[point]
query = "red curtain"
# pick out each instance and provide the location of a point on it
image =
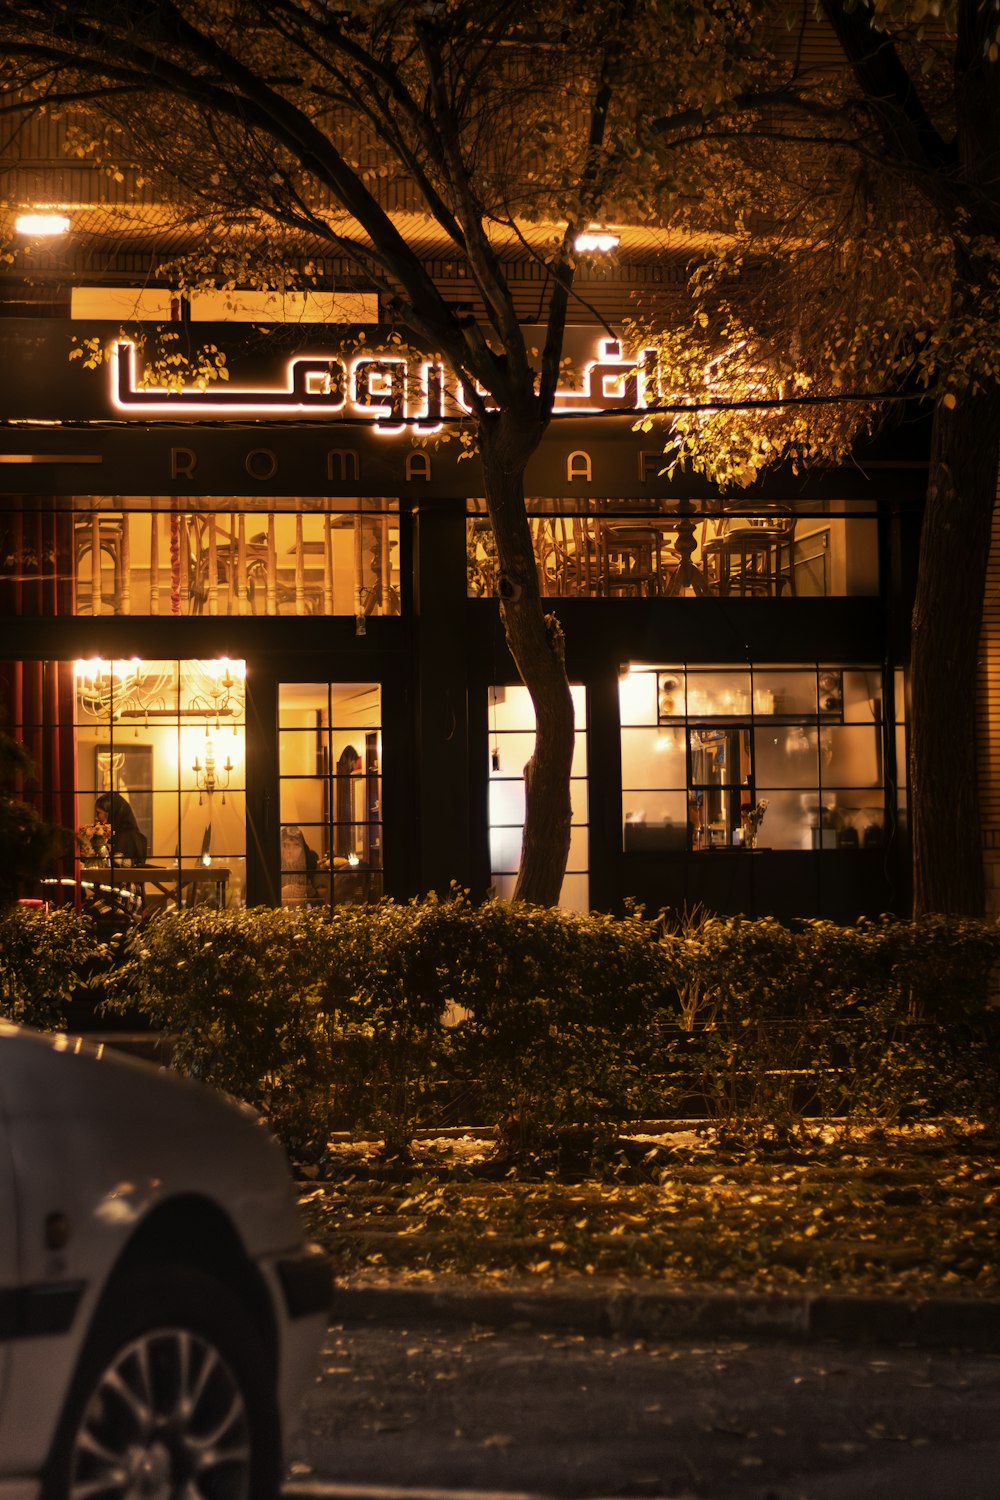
(37, 698)
(36, 559)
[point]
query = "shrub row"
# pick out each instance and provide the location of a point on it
(872, 1022)
(382, 1018)
(371, 1019)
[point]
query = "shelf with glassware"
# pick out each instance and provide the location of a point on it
(747, 757)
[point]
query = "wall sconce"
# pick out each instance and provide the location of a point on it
(41, 223)
(206, 778)
(596, 241)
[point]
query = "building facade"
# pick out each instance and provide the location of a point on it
(263, 612)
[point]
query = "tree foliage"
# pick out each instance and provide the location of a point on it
(855, 268)
(829, 277)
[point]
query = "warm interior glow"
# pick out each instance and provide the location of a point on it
(95, 667)
(39, 223)
(224, 667)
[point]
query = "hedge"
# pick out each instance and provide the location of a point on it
(542, 1022)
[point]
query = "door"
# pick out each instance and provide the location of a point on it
(329, 762)
(720, 779)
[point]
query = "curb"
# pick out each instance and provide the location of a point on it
(951, 1322)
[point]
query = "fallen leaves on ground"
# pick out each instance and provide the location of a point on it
(910, 1211)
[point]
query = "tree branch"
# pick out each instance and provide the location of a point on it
(908, 134)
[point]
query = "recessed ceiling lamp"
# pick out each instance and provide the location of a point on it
(596, 240)
(41, 223)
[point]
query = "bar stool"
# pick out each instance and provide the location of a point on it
(754, 553)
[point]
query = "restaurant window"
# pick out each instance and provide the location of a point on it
(151, 555)
(330, 768)
(781, 757)
(160, 790)
(654, 548)
(512, 738)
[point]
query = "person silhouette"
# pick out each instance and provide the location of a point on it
(128, 842)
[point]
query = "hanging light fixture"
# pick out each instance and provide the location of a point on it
(596, 241)
(121, 689)
(207, 778)
(111, 691)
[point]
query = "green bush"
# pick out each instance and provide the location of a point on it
(313, 1020)
(238, 993)
(928, 1045)
(383, 1005)
(757, 997)
(46, 960)
(879, 1020)
(559, 1009)
(560, 1025)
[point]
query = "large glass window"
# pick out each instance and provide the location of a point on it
(235, 556)
(636, 548)
(160, 780)
(512, 737)
(781, 757)
(330, 768)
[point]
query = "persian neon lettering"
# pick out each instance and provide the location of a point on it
(389, 392)
(379, 385)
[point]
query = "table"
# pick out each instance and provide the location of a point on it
(687, 574)
(636, 544)
(165, 880)
(682, 522)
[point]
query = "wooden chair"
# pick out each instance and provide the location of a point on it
(630, 556)
(566, 556)
(104, 537)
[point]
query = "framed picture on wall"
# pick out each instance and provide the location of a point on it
(128, 769)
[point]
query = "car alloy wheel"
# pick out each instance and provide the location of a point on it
(174, 1396)
(167, 1418)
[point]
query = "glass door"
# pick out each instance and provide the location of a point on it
(721, 783)
(330, 793)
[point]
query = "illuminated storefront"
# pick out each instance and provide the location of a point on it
(263, 613)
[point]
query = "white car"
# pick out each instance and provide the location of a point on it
(160, 1315)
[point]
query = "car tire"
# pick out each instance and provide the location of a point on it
(174, 1396)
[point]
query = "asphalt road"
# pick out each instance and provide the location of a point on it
(523, 1411)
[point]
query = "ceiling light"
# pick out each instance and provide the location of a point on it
(41, 224)
(598, 240)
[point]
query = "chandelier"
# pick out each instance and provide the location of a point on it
(138, 690)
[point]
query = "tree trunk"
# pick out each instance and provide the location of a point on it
(536, 644)
(947, 625)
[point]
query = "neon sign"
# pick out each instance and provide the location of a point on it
(389, 392)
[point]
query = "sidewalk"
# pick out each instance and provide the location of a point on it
(637, 1310)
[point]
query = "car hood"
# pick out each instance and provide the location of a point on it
(104, 1137)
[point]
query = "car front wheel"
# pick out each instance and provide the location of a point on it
(173, 1399)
